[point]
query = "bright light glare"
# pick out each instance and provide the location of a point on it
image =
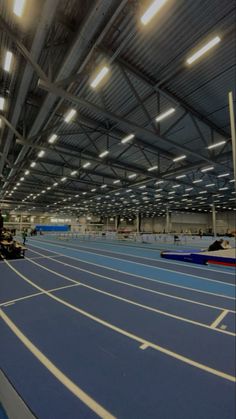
(203, 50)
(127, 138)
(116, 181)
(18, 7)
(74, 173)
(179, 158)
(104, 153)
(152, 10)
(2, 103)
(102, 73)
(33, 164)
(216, 145)
(70, 115)
(165, 114)
(132, 176)
(52, 139)
(8, 61)
(180, 176)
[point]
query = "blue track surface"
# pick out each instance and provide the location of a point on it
(143, 339)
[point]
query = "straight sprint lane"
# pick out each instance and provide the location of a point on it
(180, 308)
(141, 282)
(186, 268)
(189, 281)
(112, 368)
(205, 348)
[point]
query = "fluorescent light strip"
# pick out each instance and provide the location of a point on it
(152, 168)
(116, 181)
(197, 181)
(223, 175)
(216, 145)
(102, 73)
(179, 158)
(152, 10)
(74, 173)
(2, 103)
(159, 182)
(180, 177)
(52, 139)
(86, 164)
(132, 176)
(69, 115)
(18, 7)
(203, 50)
(165, 114)
(210, 184)
(127, 138)
(41, 153)
(8, 61)
(207, 169)
(104, 153)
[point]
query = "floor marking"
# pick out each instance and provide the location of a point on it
(155, 260)
(219, 319)
(126, 300)
(156, 281)
(69, 384)
(135, 286)
(143, 346)
(128, 334)
(138, 263)
(7, 303)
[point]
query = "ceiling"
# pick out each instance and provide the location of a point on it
(59, 47)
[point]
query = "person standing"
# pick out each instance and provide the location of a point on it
(1, 222)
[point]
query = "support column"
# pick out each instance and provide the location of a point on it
(214, 219)
(233, 133)
(167, 220)
(138, 222)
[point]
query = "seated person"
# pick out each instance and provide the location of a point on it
(217, 245)
(226, 244)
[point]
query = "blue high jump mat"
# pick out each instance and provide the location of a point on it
(226, 257)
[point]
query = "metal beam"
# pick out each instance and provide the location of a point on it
(50, 87)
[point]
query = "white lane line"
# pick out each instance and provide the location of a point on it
(134, 275)
(123, 332)
(36, 294)
(155, 260)
(52, 368)
(134, 286)
(143, 346)
(117, 297)
(219, 319)
(143, 264)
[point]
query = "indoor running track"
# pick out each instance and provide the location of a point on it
(87, 332)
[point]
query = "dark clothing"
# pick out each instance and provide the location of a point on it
(1, 222)
(217, 245)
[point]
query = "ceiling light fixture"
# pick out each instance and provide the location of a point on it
(86, 164)
(102, 73)
(41, 153)
(103, 154)
(69, 115)
(2, 103)
(18, 7)
(127, 138)
(8, 61)
(165, 114)
(207, 169)
(152, 168)
(203, 50)
(179, 158)
(52, 139)
(216, 145)
(152, 11)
